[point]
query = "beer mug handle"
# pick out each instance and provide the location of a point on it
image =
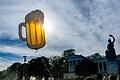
(20, 31)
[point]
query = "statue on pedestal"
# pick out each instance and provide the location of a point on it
(110, 52)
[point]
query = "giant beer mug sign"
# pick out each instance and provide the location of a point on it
(35, 36)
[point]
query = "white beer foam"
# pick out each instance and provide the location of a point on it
(35, 15)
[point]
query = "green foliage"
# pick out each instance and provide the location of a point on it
(59, 64)
(10, 73)
(94, 56)
(68, 52)
(57, 67)
(39, 67)
(23, 70)
(14, 66)
(36, 67)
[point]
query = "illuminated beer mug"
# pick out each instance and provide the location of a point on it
(35, 35)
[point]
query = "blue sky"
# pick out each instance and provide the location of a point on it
(80, 24)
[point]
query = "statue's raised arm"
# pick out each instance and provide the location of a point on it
(112, 37)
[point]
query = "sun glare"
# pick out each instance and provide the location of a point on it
(48, 25)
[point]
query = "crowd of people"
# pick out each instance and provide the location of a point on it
(110, 77)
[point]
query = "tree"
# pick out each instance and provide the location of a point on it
(39, 67)
(23, 70)
(14, 67)
(85, 67)
(12, 71)
(59, 64)
(36, 67)
(56, 67)
(94, 56)
(68, 52)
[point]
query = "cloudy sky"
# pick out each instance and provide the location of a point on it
(80, 24)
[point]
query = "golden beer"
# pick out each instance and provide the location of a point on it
(35, 35)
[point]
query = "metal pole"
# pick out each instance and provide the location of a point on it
(24, 59)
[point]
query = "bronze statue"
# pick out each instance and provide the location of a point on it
(110, 52)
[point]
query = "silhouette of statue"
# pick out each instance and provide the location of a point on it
(110, 52)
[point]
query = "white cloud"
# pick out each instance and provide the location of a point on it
(4, 63)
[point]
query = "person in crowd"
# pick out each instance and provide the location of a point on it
(89, 78)
(112, 77)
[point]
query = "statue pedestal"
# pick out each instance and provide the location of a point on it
(112, 67)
